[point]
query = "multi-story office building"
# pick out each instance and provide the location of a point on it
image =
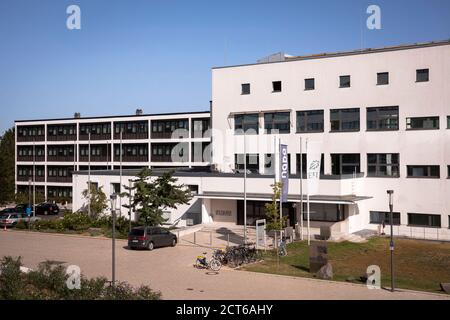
(55, 148)
(381, 117)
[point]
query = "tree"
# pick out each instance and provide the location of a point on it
(98, 200)
(7, 166)
(273, 210)
(154, 195)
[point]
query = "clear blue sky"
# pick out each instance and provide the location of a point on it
(158, 54)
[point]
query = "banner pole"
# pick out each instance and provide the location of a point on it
(301, 190)
(307, 199)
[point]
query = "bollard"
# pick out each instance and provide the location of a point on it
(178, 236)
(210, 238)
(228, 240)
(195, 237)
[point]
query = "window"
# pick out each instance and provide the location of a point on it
(382, 78)
(115, 188)
(383, 165)
(310, 121)
(310, 84)
(248, 123)
(344, 119)
(277, 122)
(252, 162)
(269, 164)
(325, 212)
(448, 172)
(382, 118)
(245, 88)
(448, 122)
(378, 217)
(344, 82)
(422, 75)
(424, 220)
(422, 123)
(423, 171)
(276, 86)
(345, 163)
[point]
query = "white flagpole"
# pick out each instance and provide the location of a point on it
(89, 173)
(34, 179)
(281, 190)
(307, 199)
(120, 179)
(301, 190)
(245, 189)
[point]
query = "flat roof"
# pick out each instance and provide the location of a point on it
(119, 116)
(349, 53)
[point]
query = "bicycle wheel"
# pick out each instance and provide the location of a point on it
(215, 265)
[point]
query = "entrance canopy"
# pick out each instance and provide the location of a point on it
(347, 199)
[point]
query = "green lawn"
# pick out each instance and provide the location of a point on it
(419, 265)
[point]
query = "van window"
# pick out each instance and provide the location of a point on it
(137, 232)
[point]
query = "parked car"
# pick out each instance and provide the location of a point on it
(151, 237)
(47, 208)
(11, 219)
(22, 208)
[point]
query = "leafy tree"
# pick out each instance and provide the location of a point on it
(7, 166)
(153, 195)
(98, 200)
(273, 210)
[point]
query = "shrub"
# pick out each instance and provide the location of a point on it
(49, 282)
(76, 221)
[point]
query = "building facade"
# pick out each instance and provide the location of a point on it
(380, 116)
(56, 148)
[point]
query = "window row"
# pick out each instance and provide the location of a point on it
(341, 120)
(382, 78)
(414, 219)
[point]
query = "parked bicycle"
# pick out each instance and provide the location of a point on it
(203, 263)
(239, 255)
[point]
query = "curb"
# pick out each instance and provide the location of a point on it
(66, 235)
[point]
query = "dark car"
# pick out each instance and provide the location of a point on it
(47, 208)
(150, 237)
(22, 208)
(7, 210)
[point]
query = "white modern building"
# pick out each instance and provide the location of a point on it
(381, 117)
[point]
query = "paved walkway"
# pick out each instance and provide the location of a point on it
(170, 271)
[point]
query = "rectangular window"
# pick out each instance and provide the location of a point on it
(448, 122)
(304, 163)
(277, 122)
(344, 119)
(310, 121)
(345, 163)
(276, 86)
(310, 84)
(382, 78)
(378, 217)
(448, 172)
(269, 164)
(252, 163)
(423, 171)
(248, 123)
(383, 165)
(422, 75)
(245, 88)
(422, 123)
(424, 220)
(344, 82)
(382, 118)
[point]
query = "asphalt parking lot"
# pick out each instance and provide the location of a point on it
(170, 270)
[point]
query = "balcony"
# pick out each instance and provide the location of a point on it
(30, 158)
(131, 136)
(27, 178)
(68, 137)
(60, 158)
(30, 138)
(101, 158)
(95, 136)
(67, 179)
(129, 158)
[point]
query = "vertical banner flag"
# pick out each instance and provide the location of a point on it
(313, 156)
(284, 172)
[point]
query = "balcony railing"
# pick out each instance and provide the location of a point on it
(131, 136)
(30, 158)
(68, 137)
(95, 136)
(103, 158)
(61, 158)
(126, 158)
(59, 179)
(28, 178)
(30, 138)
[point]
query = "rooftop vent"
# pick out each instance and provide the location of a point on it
(276, 57)
(77, 115)
(139, 112)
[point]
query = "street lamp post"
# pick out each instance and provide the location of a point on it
(391, 244)
(113, 213)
